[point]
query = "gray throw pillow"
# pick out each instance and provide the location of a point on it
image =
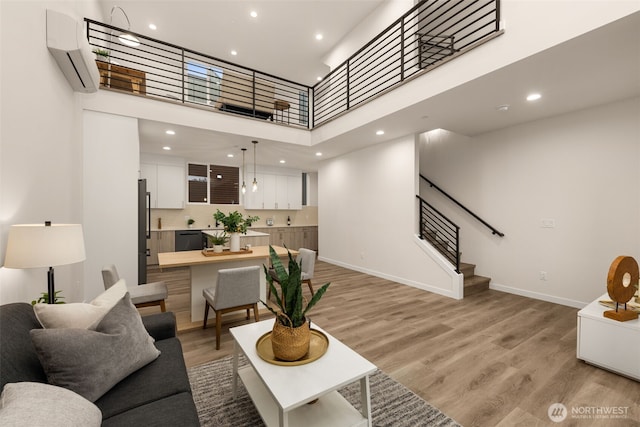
(29, 404)
(90, 362)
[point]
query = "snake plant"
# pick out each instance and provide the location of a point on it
(289, 301)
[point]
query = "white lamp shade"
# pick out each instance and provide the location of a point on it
(129, 40)
(37, 245)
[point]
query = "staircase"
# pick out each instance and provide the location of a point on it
(473, 284)
(444, 235)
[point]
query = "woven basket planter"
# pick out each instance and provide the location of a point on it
(290, 344)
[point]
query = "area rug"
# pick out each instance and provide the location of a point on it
(392, 404)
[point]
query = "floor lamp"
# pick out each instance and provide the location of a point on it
(44, 245)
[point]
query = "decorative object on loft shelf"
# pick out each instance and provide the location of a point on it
(101, 54)
(291, 334)
(254, 187)
(124, 38)
(234, 224)
(44, 245)
(621, 286)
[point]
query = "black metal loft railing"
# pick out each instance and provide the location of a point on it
(440, 231)
(429, 34)
(486, 224)
(173, 73)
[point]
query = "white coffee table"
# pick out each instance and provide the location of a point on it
(281, 393)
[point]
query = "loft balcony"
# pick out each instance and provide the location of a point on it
(427, 36)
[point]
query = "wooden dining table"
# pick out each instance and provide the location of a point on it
(204, 269)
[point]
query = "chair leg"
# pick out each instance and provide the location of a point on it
(310, 286)
(206, 314)
(248, 313)
(256, 315)
(218, 328)
(163, 307)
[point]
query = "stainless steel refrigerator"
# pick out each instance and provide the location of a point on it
(144, 229)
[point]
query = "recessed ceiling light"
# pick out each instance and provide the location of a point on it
(319, 36)
(318, 154)
(380, 132)
(534, 97)
(153, 27)
(170, 132)
(283, 161)
(167, 148)
(503, 107)
(319, 78)
(234, 53)
(229, 155)
(254, 14)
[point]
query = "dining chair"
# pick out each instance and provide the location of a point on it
(145, 295)
(306, 259)
(235, 289)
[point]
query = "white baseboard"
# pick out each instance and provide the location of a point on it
(537, 295)
(414, 284)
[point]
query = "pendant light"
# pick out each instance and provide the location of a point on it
(244, 187)
(255, 181)
(124, 38)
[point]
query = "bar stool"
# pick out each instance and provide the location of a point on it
(282, 106)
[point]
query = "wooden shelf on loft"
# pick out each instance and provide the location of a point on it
(122, 78)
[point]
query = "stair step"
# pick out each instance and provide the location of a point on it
(467, 270)
(475, 284)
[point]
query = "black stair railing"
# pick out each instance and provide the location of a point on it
(486, 224)
(440, 231)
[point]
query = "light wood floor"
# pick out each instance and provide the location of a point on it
(493, 359)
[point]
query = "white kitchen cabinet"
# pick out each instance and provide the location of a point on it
(268, 187)
(254, 200)
(607, 343)
(294, 192)
(275, 192)
(166, 183)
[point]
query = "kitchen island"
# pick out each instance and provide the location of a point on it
(204, 270)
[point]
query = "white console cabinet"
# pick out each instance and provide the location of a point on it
(607, 343)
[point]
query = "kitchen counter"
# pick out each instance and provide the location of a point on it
(250, 233)
(204, 270)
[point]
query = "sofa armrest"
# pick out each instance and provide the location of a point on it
(161, 325)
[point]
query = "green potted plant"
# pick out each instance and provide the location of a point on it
(291, 334)
(101, 54)
(217, 241)
(44, 298)
(234, 223)
(190, 222)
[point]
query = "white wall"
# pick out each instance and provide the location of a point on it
(374, 24)
(367, 216)
(40, 140)
(579, 169)
(111, 164)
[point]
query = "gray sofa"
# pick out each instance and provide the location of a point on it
(158, 394)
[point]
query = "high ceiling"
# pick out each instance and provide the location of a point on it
(280, 40)
(598, 67)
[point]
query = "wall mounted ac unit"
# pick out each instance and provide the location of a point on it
(69, 46)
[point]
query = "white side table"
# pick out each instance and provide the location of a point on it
(607, 343)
